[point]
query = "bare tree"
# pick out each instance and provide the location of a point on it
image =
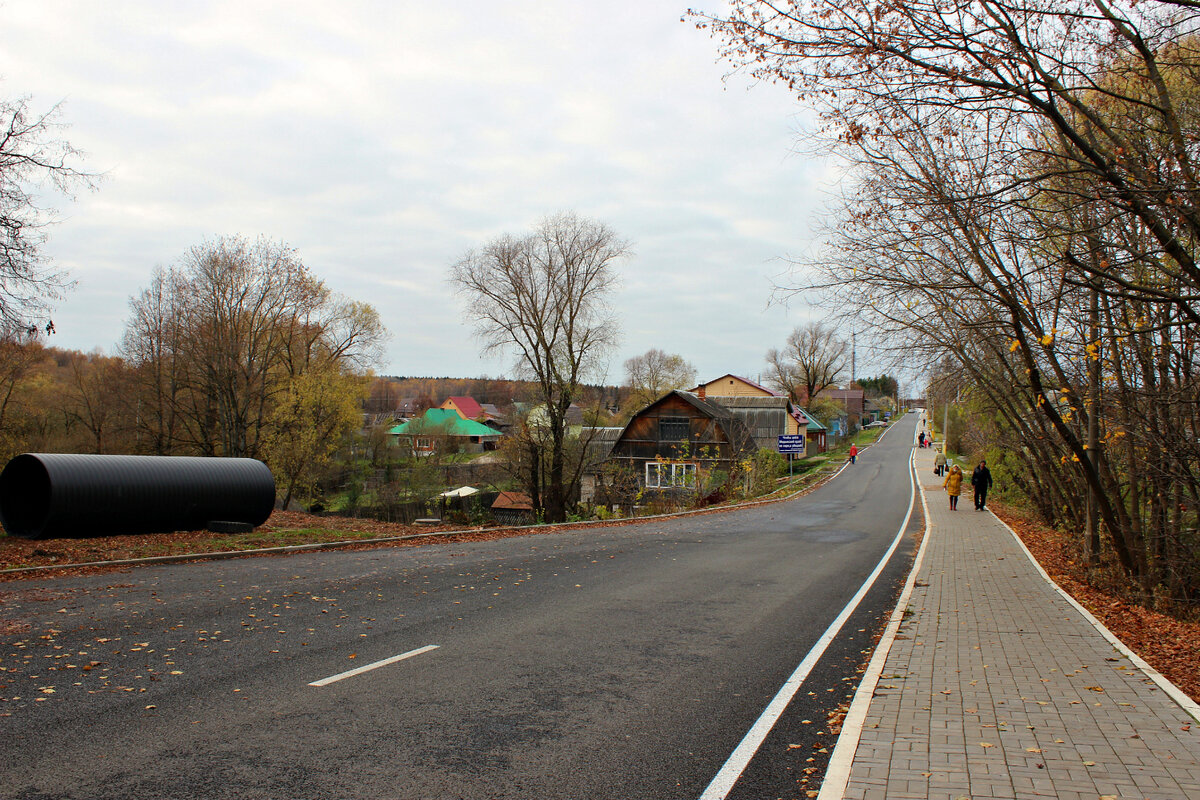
(1092, 81)
(218, 340)
(654, 373)
(544, 297)
(1023, 224)
(152, 345)
(96, 397)
(22, 358)
(31, 155)
(812, 361)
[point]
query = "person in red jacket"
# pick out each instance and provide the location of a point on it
(853, 452)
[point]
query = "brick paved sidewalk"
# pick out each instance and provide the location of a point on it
(995, 686)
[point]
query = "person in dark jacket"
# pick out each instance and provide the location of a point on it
(981, 479)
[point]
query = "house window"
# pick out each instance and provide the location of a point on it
(423, 443)
(663, 475)
(673, 429)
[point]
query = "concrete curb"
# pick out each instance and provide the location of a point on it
(837, 772)
(1174, 692)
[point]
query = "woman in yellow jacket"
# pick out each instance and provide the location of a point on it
(953, 485)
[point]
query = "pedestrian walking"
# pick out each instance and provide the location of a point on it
(921, 439)
(853, 452)
(939, 462)
(981, 479)
(953, 485)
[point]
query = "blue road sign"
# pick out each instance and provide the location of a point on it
(791, 443)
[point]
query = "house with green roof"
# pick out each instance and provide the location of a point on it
(444, 429)
(814, 431)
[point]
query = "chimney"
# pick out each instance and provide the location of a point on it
(701, 392)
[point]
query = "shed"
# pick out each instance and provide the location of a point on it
(599, 446)
(513, 508)
(767, 417)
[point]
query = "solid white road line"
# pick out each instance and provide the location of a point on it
(722, 784)
(368, 667)
(837, 772)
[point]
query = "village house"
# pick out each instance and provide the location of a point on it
(768, 414)
(443, 428)
(853, 400)
(670, 443)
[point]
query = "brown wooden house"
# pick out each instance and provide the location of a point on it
(670, 441)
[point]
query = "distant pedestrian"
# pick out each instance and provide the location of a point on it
(953, 484)
(981, 479)
(939, 462)
(853, 452)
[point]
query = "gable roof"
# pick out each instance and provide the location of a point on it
(802, 416)
(736, 432)
(766, 392)
(467, 406)
(512, 501)
(447, 419)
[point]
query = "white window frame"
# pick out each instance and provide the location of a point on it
(670, 474)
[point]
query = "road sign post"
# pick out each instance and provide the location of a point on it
(791, 445)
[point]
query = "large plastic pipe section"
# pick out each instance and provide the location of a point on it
(46, 495)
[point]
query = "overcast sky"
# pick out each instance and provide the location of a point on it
(383, 140)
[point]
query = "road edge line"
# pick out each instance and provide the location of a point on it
(731, 771)
(837, 772)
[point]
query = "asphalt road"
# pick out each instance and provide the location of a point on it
(624, 662)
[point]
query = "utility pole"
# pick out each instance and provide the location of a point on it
(853, 357)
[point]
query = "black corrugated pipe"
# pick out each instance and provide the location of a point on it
(44, 495)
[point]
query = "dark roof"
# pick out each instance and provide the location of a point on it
(851, 398)
(765, 417)
(813, 425)
(751, 401)
(736, 431)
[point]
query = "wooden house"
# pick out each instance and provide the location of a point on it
(442, 428)
(814, 432)
(768, 418)
(670, 441)
(729, 385)
(465, 407)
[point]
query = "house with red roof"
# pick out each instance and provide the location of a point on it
(470, 408)
(465, 407)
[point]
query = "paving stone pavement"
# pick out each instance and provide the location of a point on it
(997, 687)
